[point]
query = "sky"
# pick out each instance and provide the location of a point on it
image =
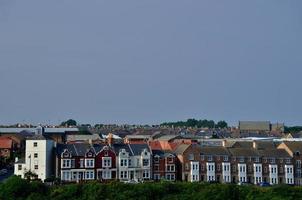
(147, 62)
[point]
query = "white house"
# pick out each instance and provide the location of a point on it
(226, 172)
(38, 158)
(194, 172)
(133, 161)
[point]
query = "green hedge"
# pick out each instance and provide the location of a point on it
(16, 188)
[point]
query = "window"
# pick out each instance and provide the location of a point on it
(202, 157)
(35, 155)
(89, 175)
(124, 162)
(156, 167)
(65, 163)
(191, 156)
(281, 169)
(241, 159)
(257, 159)
(156, 159)
(145, 174)
(225, 158)
(234, 168)
(156, 176)
(123, 174)
(187, 166)
(145, 162)
(65, 176)
(210, 158)
(72, 163)
(82, 163)
(265, 169)
(298, 163)
(250, 168)
(89, 163)
(35, 144)
(287, 161)
(171, 177)
(106, 161)
(19, 167)
(218, 167)
(106, 174)
(202, 167)
(170, 159)
(170, 168)
(272, 160)
(36, 167)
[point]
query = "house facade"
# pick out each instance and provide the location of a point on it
(164, 165)
(38, 158)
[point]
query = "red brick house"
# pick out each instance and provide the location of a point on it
(164, 165)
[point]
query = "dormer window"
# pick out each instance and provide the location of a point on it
(145, 162)
(35, 144)
(156, 159)
(225, 158)
(297, 153)
(106, 153)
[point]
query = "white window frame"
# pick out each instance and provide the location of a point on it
(106, 162)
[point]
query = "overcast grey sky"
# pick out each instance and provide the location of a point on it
(150, 61)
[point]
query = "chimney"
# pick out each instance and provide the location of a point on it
(224, 143)
(110, 139)
(255, 145)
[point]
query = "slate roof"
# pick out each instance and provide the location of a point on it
(294, 146)
(138, 148)
(280, 153)
(214, 151)
(118, 147)
(246, 152)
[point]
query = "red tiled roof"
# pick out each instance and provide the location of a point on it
(6, 143)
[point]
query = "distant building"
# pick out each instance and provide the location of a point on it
(254, 126)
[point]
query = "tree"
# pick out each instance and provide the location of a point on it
(69, 122)
(222, 124)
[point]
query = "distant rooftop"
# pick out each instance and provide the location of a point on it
(47, 130)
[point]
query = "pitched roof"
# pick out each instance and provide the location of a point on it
(243, 152)
(280, 153)
(138, 148)
(214, 151)
(169, 137)
(75, 149)
(294, 146)
(118, 147)
(181, 148)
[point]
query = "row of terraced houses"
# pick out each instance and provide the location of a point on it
(173, 159)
